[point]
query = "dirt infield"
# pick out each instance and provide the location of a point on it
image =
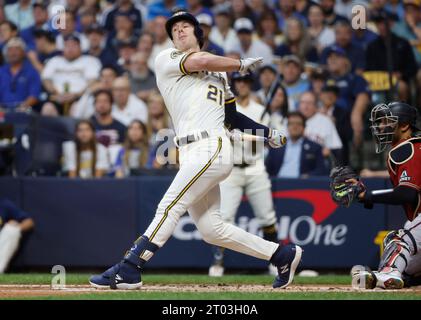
(36, 291)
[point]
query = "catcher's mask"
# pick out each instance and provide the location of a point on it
(385, 118)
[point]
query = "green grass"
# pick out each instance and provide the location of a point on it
(78, 278)
(155, 279)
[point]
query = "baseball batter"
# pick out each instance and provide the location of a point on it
(248, 176)
(391, 124)
(200, 102)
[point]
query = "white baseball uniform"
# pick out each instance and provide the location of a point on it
(253, 178)
(195, 103)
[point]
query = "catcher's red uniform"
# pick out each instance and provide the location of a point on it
(404, 165)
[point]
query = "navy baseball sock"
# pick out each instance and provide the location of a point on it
(140, 246)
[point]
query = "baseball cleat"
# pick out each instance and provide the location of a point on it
(390, 279)
(286, 260)
(216, 270)
(364, 279)
(123, 275)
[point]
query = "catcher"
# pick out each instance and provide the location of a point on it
(394, 125)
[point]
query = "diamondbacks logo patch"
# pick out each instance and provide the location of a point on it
(404, 176)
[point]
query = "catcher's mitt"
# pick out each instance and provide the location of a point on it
(343, 192)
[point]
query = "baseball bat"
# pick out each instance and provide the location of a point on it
(250, 137)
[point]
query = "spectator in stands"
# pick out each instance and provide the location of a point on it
(145, 44)
(87, 18)
(331, 18)
(303, 6)
(410, 27)
(268, 78)
(300, 158)
(127, 106)
(344, 7)
(20, 13)
(260, 8)
(317, 81)
(162, 41)
(320, 128)
(278, 108)
(396, 7)
(163, 8)
(109, 131)
(40, 23)
(354, 94)
(135, 150)
(126, 49)
(98, 47)
(142, 79)
(297, 42)
(402, 60)
(339, 116)
(158, 117)
(84, 157)
(355, 53)
(222, 33)
(84, 107)
(160, 134)
(20, 83)
(240, 9)
(321, 34)
(125, 31)
(205, 22)
(286, 10)
(293, 81)
(196, 7)
(268, 29)
(70, 30)
(8, 30)
(250, 47)
(362, 37)
(122, 7)
(45, 49)
(67, 76)
(14, 222)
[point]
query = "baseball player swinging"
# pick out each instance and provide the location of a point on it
(199, 100)
(248, 175)
(391, 124)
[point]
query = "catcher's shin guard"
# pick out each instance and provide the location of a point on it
(398, 246)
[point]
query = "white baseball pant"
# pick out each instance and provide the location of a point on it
(195, 188)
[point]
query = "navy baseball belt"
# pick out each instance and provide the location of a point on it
(182, 141)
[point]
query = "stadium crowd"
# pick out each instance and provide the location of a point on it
(320, 78)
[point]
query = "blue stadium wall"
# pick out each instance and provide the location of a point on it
(91, 223)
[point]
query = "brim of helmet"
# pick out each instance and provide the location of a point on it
(171, 21)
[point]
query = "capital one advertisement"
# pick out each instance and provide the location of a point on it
(331, 236)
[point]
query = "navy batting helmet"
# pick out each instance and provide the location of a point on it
(183, 15)
(386, 117)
